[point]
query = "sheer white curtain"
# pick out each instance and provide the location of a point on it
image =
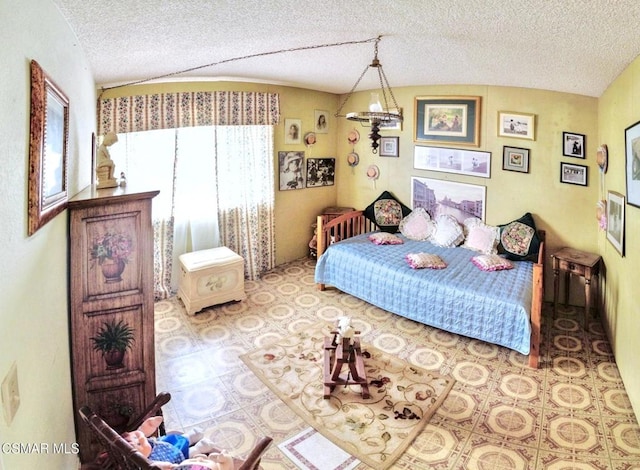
(212, 180)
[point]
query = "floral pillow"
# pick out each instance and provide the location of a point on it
(425, 260)
(386, 212)
(417, 225)
(383, 238)
(491, 262)
(480, 237)
(519, 240)
(448, 232)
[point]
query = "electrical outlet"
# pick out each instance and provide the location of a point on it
(10, 394)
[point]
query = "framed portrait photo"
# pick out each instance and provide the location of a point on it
(390, 147)
(447, 120)
(516, 125)
(632, 152)
(573, 145)
(573, 174)
(291, 169)
(292, 131)
(321, 121)
(48, 139)
(515, 159)
(615, 220)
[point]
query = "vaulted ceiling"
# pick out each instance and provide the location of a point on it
(575, 46)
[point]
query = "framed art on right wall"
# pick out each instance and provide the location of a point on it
(615, 220)
(632, 151)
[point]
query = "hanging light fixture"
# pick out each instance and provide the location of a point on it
(376, 115)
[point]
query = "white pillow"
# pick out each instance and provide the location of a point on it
(481, 237)
(417, 225)
(448, 232)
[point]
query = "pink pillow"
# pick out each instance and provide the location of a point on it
(425, 260)
(481, 237)
(384, 238)
(417, 225)
(492, 262)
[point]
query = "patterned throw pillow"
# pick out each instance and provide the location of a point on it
(519, 239)
(448, 232)
(480, 237)
(386, 212)
(491, 262)
(425, 260)
(417, 225)
(383, 238)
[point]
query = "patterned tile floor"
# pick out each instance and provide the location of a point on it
(571, 413)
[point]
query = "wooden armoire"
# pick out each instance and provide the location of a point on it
(111, 301)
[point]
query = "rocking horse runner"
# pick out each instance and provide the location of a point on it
(343, 349)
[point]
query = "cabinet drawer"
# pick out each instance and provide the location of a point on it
(572, 267)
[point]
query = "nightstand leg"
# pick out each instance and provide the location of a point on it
(587, 300)
(556, 288)
(567, 285)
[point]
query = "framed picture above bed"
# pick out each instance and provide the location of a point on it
(460, 200)
(516, 125)
(450, 160)
(446, 120)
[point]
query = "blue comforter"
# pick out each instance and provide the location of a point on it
(462, 299)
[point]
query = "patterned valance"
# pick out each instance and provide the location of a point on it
(172, 110)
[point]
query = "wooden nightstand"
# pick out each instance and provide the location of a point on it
(580, 263)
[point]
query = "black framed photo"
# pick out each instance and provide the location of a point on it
(448, 120)
(573, 145)
(573, 174)
(632, 152)
(320, 172)
(515, 159)
(390, 147)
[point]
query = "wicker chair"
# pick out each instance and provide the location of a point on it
(120, 455)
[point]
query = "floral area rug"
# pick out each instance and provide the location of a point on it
(376, 430)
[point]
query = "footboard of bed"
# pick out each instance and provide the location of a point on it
(339, 228)
(537, 298)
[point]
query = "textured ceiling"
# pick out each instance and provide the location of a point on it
(575, 46)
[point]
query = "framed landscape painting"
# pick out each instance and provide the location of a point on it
(448, 120)
(460, 200)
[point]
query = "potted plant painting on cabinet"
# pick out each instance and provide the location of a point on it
(112, 340)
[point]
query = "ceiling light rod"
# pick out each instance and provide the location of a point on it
(376, 114)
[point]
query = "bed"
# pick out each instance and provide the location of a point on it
(499, 307)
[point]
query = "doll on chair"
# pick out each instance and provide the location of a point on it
(174, 451)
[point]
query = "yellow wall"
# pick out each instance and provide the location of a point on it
(619, 108)
(33, 273)
(566, 212)
(295, 209)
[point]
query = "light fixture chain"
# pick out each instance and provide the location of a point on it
(351, 92)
